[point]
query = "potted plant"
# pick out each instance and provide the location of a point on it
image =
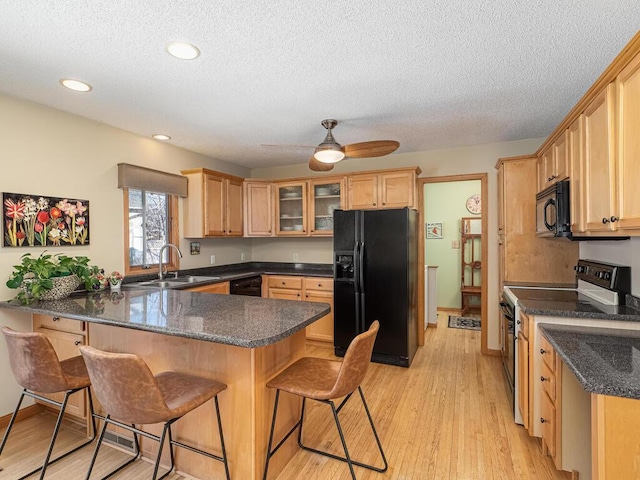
(50, 277)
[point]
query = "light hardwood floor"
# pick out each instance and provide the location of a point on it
(446, 417)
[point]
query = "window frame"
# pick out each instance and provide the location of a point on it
(173, 236)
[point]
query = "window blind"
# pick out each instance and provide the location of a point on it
(132, 176)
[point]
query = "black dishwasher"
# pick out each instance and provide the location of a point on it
(251, 286)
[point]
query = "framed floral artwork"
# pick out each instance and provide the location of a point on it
(37, 220)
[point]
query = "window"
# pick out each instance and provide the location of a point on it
(150, 224)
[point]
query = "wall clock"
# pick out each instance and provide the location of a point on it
(474, 204)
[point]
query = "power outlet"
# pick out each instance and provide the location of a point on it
(242, 257)
(455, 244)
(213, 259)
(295, 257)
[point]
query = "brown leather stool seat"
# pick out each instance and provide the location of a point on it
(130, 393)
(38, 371)
(324, 380)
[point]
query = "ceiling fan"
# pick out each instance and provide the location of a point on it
(329, 152)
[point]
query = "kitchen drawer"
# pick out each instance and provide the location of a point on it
(548, 380)
(548, 354)
(58, 323)
(285, 282)
(548, 421)
(324, 284)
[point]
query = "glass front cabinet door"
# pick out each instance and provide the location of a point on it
(291, 205)
(325, 196)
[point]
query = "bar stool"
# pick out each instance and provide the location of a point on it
(128, 391)
(323, 380)
(37, 368)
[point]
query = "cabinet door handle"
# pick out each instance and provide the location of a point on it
(543, 351)
(614, 219)
(319, 284)
(77, 342)
(374, 204)
(56, 319)
(306, 296)
(543, 379)
(542, 420)
(605, 220)
(284, 283)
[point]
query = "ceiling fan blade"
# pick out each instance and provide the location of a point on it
(317, 166)
(376, 148)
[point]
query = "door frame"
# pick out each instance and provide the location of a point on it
(484, 193)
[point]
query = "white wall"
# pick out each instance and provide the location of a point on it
(622, 252)
(49, 152)
(458, 161)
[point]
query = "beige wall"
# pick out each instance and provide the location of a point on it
(49, 152)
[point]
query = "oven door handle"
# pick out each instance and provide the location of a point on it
(506, 311)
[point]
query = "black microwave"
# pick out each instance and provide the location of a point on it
(553, 217)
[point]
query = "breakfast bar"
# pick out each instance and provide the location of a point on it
(240, 341)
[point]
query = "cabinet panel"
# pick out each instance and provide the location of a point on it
(318, 283)
(560, 160)
(325, 196)
(285, 294)
(258, 199)
(599, 181)
(548, 379)
(547, 353)
(397, 189)
(222, 288)
(213, 207)
(523, 379)
(66, 346)
(548, 421)
(59, 323)
(362, 192)
(628, 144)
(233, 214)
(320, 329)
(277, 281)
(575, 143)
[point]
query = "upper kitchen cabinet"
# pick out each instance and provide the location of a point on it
(291, 208)
(325, 196)
(575, 144)
(553, 164)
(214, 205)
(383, 189)
(628, 145)
(599, 169)
(258, 201)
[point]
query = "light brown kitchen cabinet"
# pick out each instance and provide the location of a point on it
(66, 336)
(310, 289)
(627, 86)
(258, 201)
(221, 288)
(325, 196)
(551, 402)
(553, 164)
(384, 189)
(291, 208)
(524, 257)
(599, 168)
(575, 144)
(523, 369)
(317, 289)
(214, 205)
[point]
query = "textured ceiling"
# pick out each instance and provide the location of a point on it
(430, 74)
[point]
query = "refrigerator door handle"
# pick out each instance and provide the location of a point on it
(356, 267)
(362, 290)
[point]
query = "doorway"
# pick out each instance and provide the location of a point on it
(453, 248)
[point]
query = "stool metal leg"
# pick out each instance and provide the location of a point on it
(167, 427)
(224, 451)
(273, 427)
(54, 436)
(11, 422)
(344, 443)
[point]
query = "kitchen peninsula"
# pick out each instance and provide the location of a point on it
(241, 341)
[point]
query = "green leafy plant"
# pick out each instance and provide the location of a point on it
(34, 275)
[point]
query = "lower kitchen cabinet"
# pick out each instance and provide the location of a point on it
(221, 288)
(66, 336)
(551, 402)
(310, 289)
(523, 371)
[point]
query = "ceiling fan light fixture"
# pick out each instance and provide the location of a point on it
(328, 153)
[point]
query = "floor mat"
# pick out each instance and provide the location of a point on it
(464, 322)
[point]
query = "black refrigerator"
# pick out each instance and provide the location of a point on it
(375, 277)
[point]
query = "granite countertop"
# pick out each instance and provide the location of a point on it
(570, 303)
(248, 269)
(227, 319)
(605, 361)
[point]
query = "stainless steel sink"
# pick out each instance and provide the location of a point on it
(174, 282)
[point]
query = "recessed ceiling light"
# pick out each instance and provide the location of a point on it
(162, 137)
(183, 50)
(76, 85)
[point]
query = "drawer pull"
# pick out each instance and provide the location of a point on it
(614, 219)
(319, 284)
(542, 420)
(605, 220)
(56, 319)
(543, 351)
(77, 342)
(283, 283)
(543, 379)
